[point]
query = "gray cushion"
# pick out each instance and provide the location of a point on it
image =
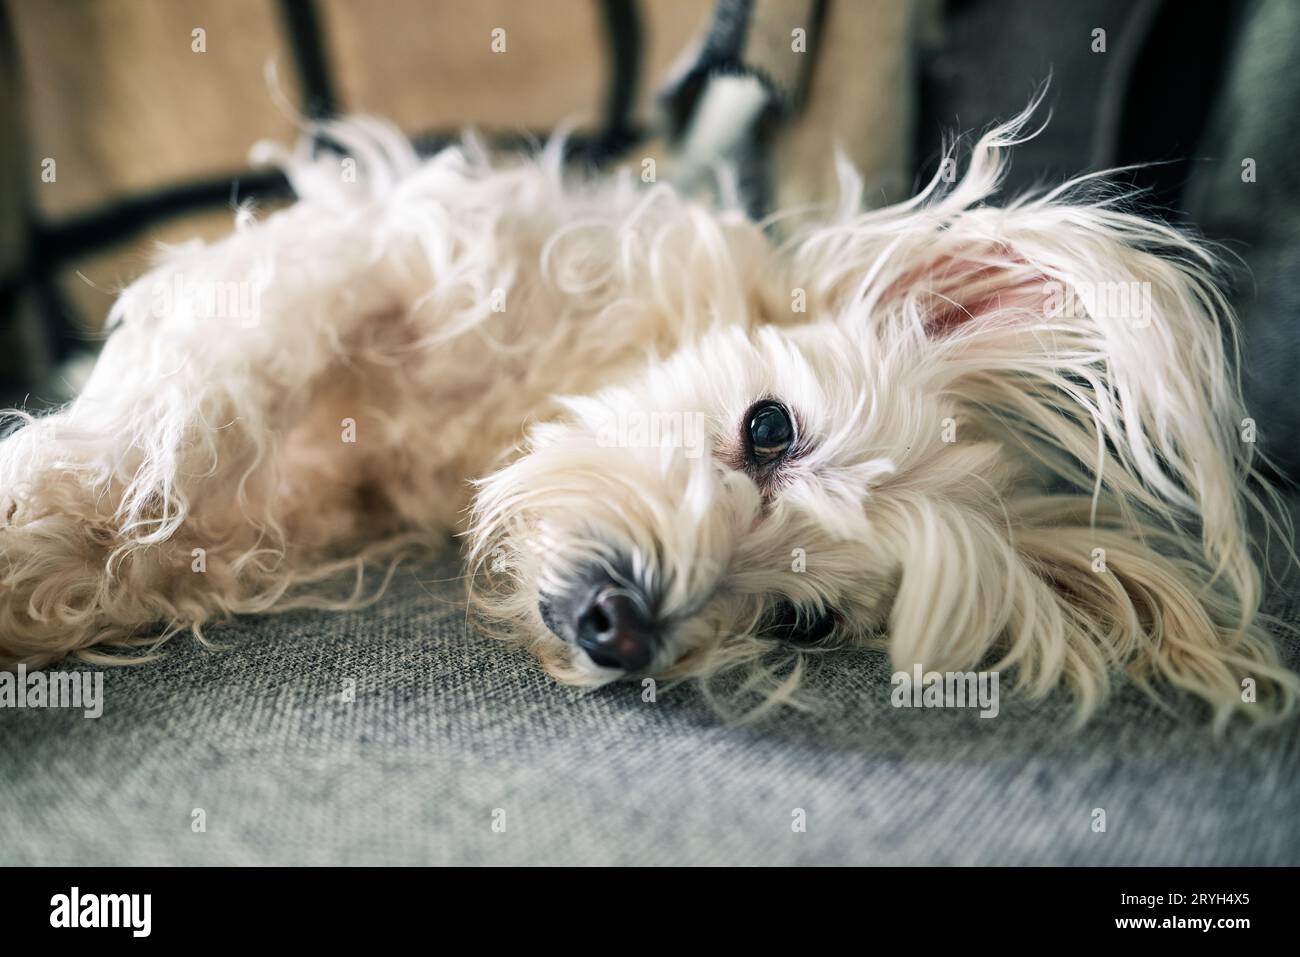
(447, 726)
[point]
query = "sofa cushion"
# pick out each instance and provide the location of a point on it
(450, 728)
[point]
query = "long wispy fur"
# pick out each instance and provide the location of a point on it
(985, 479)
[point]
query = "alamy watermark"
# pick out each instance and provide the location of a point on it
(133, 912)
(53, 689)
(209, 298)
(654, 430)
(948, 689)
(1130, 301)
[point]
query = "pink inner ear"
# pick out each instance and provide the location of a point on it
(958, 291)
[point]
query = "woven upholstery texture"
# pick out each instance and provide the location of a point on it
(449, 729)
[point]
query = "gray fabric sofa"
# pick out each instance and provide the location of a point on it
(448, 729)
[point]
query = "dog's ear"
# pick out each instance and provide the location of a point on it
(1098, 342)
(1094, 348)
(1097, 336)
(1092, 345)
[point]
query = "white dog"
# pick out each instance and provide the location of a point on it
(988, 437)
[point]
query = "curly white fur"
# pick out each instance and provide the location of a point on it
(988, 479)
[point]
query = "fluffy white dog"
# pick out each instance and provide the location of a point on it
(1003, 438)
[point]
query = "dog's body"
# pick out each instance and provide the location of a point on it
(906, 438)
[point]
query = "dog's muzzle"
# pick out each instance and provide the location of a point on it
(612, 621)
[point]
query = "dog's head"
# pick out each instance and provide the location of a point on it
(718, 502)
(1007, 437)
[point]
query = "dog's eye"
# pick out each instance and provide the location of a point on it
(769, 433)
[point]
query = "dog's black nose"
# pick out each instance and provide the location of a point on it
(615, 630)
